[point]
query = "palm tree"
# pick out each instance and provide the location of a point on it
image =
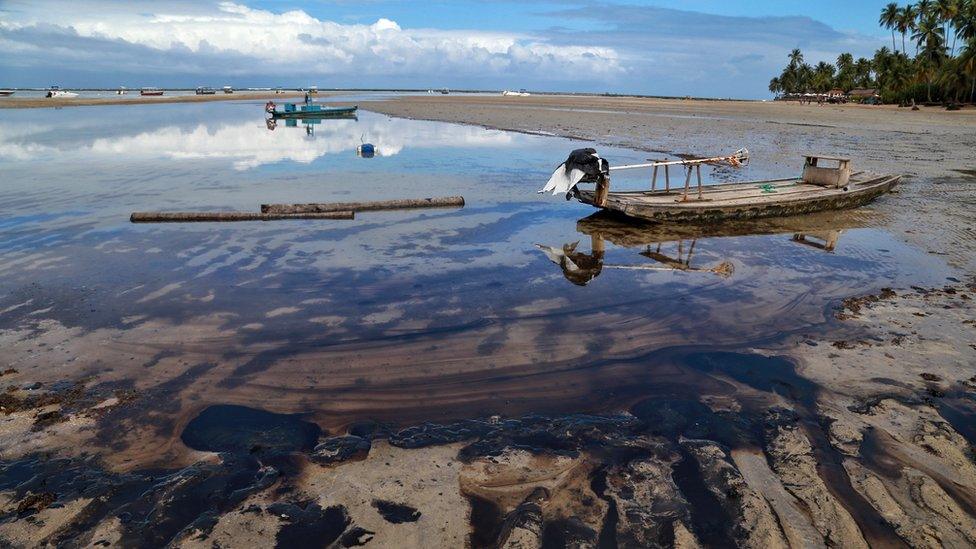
(862, 73)
(845, 71)
(967, 62)
(906, 22)
(965, 22)
(889, 20)
(775, 86)
(930, 38)
(823, 77)
(948, 10)
(796, 57)
(923, 8)
(805, 77)
(952, 80)
(881, 64)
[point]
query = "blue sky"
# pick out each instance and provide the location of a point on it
(666, 47)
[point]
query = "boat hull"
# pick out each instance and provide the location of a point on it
(740, 201)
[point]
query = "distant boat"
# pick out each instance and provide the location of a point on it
(228, 89)
(6, 93)
(206, 91)
(150, 91)
(56, 91)
(313, 89)
(520, 93)
(445, 91)
(121, 91)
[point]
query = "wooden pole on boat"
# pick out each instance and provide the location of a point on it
(402, 204)
(698, 169)
(687, 183)
(194, 217)
(602, 190)
(654, 178)
(667, 177)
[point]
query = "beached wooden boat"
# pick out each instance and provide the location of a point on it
(5, 93)
(293, 111)
(818, 189)
(150, 91)
(205, 91)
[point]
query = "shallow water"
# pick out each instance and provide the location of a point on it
(399, 317)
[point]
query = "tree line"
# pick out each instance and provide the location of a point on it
(942, 67)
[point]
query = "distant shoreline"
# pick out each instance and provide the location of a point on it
(56, 102)
(35, 102)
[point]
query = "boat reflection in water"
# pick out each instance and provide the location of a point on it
(672, 248)
(307, 123)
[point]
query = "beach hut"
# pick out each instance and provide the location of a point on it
(865, 95)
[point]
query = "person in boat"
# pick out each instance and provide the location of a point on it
(582, 163)
(308, 99)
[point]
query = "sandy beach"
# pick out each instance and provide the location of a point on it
(846, 423)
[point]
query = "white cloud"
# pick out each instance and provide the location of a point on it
(286, 42)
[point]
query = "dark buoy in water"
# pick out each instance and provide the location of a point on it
(366, 150)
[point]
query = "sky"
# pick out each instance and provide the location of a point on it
(701, 48)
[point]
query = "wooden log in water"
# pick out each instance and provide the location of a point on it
(194, 217)
(402, 204)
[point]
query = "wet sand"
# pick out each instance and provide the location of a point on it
(850, 425)
(60, 102)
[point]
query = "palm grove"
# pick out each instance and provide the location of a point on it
(941, 68)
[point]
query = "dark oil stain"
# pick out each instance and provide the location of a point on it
(607, 538)
(709, 519)
(308, 525)
(570, 532)
(396, 513)
(771, 374)
(486, 522)
(155, 506)
(238, 429)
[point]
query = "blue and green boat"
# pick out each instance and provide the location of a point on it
(309, 110)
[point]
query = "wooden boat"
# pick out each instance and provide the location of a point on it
(299, 111)
(150, 91)
(206, 91)
(818, 189)
(6, 93)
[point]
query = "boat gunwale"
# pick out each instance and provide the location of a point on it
(860, 193)
(856, 188)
